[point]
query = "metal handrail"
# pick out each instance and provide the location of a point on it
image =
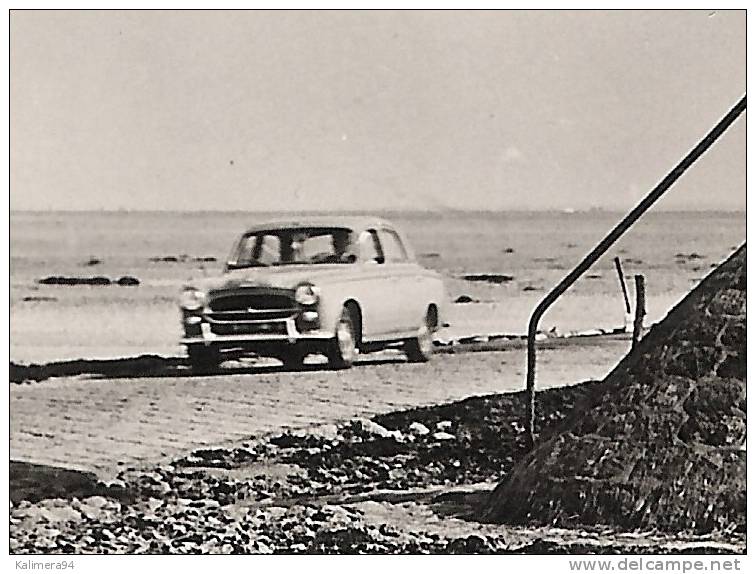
(606, 243)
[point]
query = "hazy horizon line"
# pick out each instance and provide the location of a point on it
(386, 210)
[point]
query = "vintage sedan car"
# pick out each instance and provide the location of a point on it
(336, 286)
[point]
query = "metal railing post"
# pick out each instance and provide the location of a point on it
(605, 244)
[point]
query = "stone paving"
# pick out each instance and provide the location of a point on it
(105, 424)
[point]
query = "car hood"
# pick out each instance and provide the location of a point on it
(285, 277)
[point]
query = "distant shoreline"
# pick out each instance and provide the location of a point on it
(590, 211)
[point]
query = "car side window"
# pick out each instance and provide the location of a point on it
(393, 249)
(370, 247)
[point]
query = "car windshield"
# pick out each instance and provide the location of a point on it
(294, 246)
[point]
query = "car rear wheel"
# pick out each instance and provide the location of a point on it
(420, 348)
(204, 359)
(342, 349)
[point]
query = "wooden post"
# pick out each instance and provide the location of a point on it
(618, 265)
(640, 308)
(628, 311)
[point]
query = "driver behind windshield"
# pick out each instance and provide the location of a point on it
(341, 243)
(292, 248)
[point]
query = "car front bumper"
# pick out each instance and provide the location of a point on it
(283, 331)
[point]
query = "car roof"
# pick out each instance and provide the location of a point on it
(353, 222)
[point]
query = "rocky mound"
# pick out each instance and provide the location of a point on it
(660, 444)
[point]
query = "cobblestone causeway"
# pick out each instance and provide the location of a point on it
(105, 424)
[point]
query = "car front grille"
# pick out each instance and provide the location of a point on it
(251, 306)
(273, 328)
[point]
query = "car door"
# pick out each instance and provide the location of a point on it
(372, 287)
(404, 292)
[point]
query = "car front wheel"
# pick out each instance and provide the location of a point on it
(342, 349)
(420, 348)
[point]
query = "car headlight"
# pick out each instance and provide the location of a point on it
(307, 294)
(192, 299)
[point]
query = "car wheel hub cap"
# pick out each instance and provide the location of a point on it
(425, 340)
(346, 340)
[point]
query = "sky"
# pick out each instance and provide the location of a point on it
(362, 110)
